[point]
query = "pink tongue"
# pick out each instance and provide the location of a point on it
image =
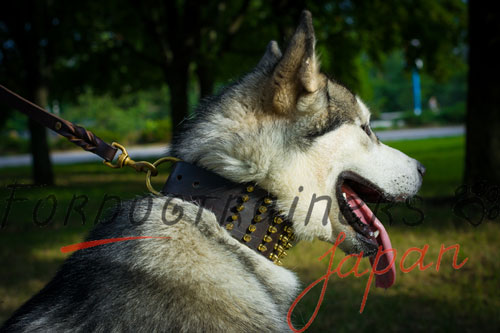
(387, 279)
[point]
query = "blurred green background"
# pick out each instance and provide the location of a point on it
(131, 71)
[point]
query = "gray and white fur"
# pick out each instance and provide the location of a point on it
(286, 127)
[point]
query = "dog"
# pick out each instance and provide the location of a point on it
(290, 131)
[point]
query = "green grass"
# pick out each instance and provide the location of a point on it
(444, 160)
(467, 299)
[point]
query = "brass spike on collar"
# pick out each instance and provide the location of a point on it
(246, 211)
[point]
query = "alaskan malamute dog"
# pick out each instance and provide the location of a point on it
(285, 130)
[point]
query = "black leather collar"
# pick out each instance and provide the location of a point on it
(246, 211)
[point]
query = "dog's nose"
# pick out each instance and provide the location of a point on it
(420, 168)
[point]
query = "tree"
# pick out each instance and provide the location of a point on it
(41, 43)
(28, 53)
(172, 37)
(116, 46)
(483, 99)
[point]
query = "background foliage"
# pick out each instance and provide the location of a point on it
(131, 70)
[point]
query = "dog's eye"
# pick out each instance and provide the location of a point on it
(367, 129)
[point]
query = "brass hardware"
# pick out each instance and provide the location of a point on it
(247, 238)
(234, 217)
(262, 209)
(280, 251)
(58, 126)
(273, 257)
(267, 239)
(155, 164)
(288, 246)
(250, 189)
(141, 166)
(262, 248)
(245, 198)
(268, 201)
(229, 226)
(257, 218)
(283, 238)
(240, 208)
(288, 229)
(282, 254)
(278, 220)
(252, 228)
(272, 229)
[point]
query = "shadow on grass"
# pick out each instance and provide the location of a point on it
(29, 260)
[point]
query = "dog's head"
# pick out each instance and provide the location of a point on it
(307, 140)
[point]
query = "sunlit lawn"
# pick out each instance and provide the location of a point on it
(467, 299)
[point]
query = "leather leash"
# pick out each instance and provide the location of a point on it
(78, 135)
(81, 137)
(247, 212)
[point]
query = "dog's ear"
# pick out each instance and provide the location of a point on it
(271, 57)
(298, 69)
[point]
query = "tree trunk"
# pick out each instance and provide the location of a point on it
(4, 115)
(205, 78)
(42, 165)
(483, 99)
(177, 78)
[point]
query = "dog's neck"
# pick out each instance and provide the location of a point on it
(246, 211)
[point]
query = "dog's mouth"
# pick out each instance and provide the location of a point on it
(353, 192)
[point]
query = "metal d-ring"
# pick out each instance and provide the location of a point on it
(125, 160)
(155, 164)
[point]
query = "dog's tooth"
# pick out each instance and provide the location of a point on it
(370, 233)
(345, 195)
(376, 233)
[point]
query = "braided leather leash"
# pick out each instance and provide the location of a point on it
(74, 133)
(262, 229)
(81, 137)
